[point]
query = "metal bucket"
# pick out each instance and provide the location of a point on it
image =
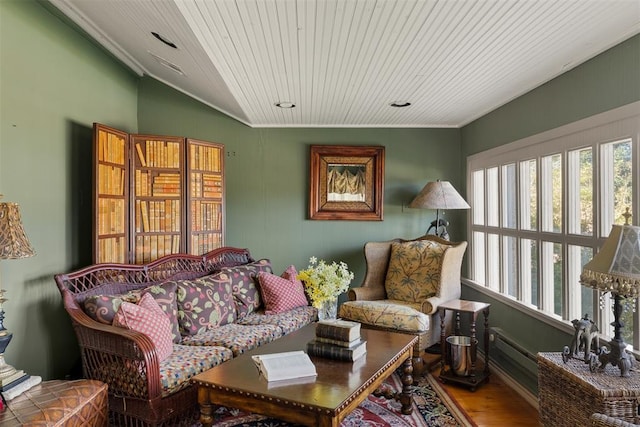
(460, 351)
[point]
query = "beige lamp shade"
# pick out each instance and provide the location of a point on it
(13, 240)
(616, 267)
(439, 195)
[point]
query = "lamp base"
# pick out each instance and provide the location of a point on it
(8, 374)
(618, 355)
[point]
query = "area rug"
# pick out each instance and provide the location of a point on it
(432, 407)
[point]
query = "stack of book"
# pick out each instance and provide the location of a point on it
(337, 339)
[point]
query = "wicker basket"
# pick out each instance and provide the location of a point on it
(79, 403)
(602, 420)
(569, 392)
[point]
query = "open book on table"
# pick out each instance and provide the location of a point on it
(285, 366)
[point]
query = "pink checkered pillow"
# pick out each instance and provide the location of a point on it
(281, 293)
(148, 318)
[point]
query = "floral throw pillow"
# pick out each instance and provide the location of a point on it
(205, 303)
(282, 293)
(148, 318)
(244, 282)
(414, 270)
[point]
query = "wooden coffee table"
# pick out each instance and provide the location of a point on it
(337, 390)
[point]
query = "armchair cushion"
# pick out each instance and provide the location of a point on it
(414, 270)
(391, 314)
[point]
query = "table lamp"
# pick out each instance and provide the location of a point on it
(439, 195)
(13, 244)
(616, 269)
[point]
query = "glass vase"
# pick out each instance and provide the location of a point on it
(328, 310)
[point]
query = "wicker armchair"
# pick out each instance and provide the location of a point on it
(602, 420)
(127, 360)
(405, 282)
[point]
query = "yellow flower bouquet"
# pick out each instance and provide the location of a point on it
(324, 282)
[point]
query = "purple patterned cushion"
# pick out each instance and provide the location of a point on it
(103, 308)
(244, 281)
(205, 303)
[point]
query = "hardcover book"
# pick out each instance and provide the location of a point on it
(285, 366)
(338, 329)
(330, 351)
(347, 344)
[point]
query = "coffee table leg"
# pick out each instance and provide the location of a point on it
(206, 409)
(407, 390)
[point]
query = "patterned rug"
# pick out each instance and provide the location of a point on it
(432, 407)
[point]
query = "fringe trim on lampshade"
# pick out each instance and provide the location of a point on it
(627, 287)
(13, 240)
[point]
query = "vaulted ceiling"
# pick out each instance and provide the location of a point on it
(343, 63)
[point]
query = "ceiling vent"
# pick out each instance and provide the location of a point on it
(167, 63)
(164, 40)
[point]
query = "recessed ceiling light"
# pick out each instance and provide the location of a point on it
(400, 104)
(164, 40)
(285, 104)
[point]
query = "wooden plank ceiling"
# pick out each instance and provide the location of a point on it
(343, 62)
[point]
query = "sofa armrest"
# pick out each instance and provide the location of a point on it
(124, 359)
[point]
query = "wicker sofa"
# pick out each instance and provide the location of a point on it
(214, 298)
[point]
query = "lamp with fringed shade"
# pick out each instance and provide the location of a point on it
(14, 244)
(616, 269)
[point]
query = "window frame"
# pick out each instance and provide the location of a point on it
(620, 124)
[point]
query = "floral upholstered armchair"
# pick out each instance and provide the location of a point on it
(405, 282)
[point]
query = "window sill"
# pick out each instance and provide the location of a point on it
(559, 324)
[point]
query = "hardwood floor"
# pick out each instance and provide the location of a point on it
(493, 404)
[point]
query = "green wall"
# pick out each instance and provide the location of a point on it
(267, 179)
(609, 80)
(54, 84)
